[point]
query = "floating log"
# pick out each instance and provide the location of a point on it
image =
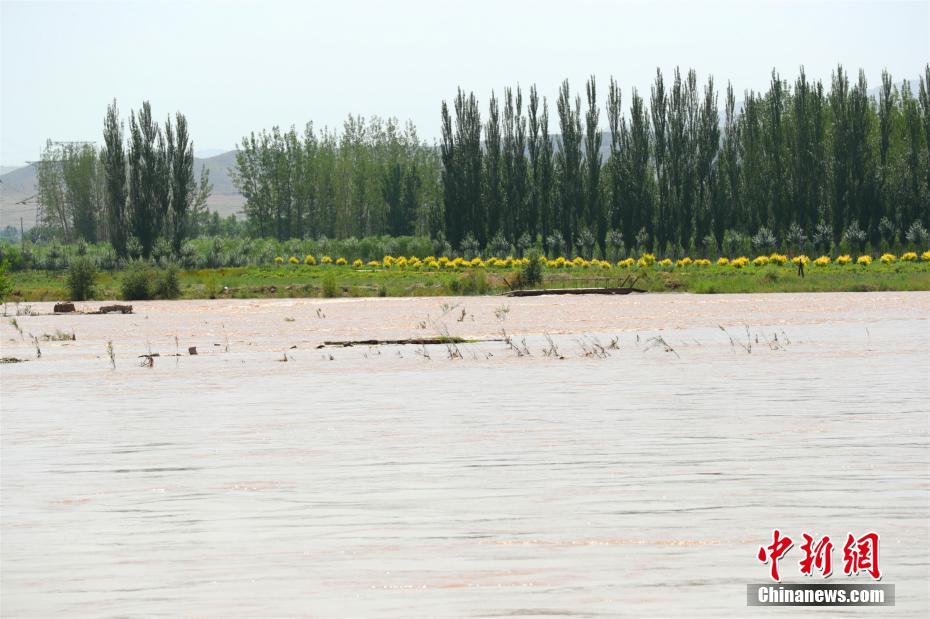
(549, 291)
(192, 350)
(64, 308)
(417, 341)
(114, 309)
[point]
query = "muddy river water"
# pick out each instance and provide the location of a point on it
(622, 456)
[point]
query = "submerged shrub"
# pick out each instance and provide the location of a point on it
(137, 282)
(329, 285)
(167, 283)
(6, 282)
(82, 275)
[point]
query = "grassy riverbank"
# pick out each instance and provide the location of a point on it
(283, 281)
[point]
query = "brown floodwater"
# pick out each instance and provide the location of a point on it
(619, 475)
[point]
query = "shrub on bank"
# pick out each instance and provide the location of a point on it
(82, 276)
(143, 282)
(136, 283)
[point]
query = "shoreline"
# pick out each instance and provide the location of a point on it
(345, 281)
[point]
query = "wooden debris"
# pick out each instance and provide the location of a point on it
(417, 341)
(116, 308)
(551, 291)
(64, 308)
(192, 350)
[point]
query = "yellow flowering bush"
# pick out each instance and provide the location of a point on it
(888, 258)
(401, 262)
(646, 260)
(925, 256)
(844, 259)
(374, 263)
(864, 260)
(722, 262)
(760, 261)
(683, 262)
(740, 262)
(802, 259)
(909, 256)
(279, 260)
(308, 260)
(326, 260)
(702, 262)
(293, 260)
(387, 261)
(443, 260)
(779, 259)
(341, 261)
(626, 263)
(665, 262)
(433, 264)
(822, 261)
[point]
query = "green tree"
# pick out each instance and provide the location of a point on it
(114, 167)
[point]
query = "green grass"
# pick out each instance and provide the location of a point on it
(345, 281)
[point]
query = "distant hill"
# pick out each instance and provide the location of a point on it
(18, 185)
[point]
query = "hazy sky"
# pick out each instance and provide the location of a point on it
(237, 66)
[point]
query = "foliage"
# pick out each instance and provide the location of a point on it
(82, 275)
(372, 178)
(6, 281)
(137, 282)
(167, 283)
(329, 285)
(532, 272)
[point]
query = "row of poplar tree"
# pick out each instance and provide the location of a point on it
(374, 177)
(134, 192)
(788, 165)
